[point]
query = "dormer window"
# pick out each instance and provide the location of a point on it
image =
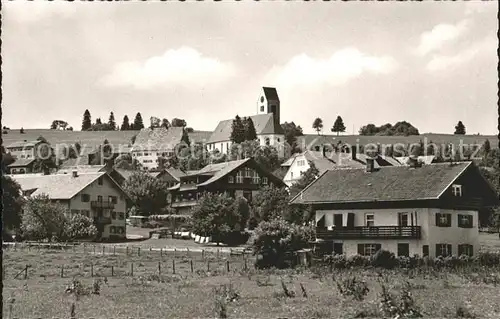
(457, 190)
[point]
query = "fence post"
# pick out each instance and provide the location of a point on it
(91, 269)
(159, 268)
(192, 268)
(103, 249)
(187, 249)
(203, 254)
(132, 269)
(127, 250)
(26, 272)
(161, 252)
(62, 271)
(208, 265)
(114, 250)
(94, 249)
(138, 251)
(217, 253)
(175, 250)
(84, 248)
(112, 271)
(245, 264)
(173, 266)
(227, 265)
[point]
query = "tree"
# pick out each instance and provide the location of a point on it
(111, 122)
(7, 159)
(147, 192)
(250, 133)
(338, 126)
(58, 124)
(218, 216)
(132, 139)
(98, 121)
(154, 122)
(12, 205)
(69, 128)
(266, 156)
(21, 131)
(270, 203)
(276, 241)
(237, 131)
(178, 122)
(307, 178)
(165, 123)
(101, 127)
(189, 129)
(318, 125)
(486, 147)
(185, 138)
(291, 132)
(79, 226)
(138, 124)
(459, 128)
(87, 121)
(125, 124)
(402, 128)
(124, 162)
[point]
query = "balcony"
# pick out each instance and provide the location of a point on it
(375, 232)
(105, 205)
(102, 220)
(185, 203)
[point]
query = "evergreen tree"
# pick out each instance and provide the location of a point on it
(138, 124)
(486, 147)
(111, 122)
(98, 121)
(86, 123)
(178, 122)
(460, 128)
(318, 125)
(250, 133)
(185, 137)
(338, 126)
(238, 131)
(21, 130)
(125, 124)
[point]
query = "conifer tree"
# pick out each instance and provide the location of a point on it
(250, 133)
(238, 131)
(86, 123)
(125, 124)
(138, 123)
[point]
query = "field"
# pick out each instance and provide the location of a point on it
(136, 287)
(95, 138)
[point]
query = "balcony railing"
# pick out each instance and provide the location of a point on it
(184, 203)
(374, 232)
(98, 204)
(102, 220)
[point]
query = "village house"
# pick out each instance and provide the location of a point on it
(93, 194)
(25, 154)
(240, 178)
(151, 144)
(266, 122)
(429, 210)
(170, 176)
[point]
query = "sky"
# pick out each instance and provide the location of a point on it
(431, 64)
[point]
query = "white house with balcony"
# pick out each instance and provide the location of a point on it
(266, 122)
(429, 210)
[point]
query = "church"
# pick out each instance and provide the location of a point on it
(266, 122)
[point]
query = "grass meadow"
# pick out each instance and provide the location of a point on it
(203, 287)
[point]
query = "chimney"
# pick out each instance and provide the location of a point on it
(353, 152)
(75, 173)
(370, 164)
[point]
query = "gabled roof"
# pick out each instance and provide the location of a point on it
(57, 186)
(392, 183)
(24, 144)
(220, 170)
(175, 173)
(270, 93)
(264, 124)
(157, 139)
(428, 159)
(22, 162)
(82, 169)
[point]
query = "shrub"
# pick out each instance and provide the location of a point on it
(336, 261)
(384, 259)
(353, 287)
(488, 258)
(358, 261)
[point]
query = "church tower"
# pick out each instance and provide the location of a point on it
(269, 102)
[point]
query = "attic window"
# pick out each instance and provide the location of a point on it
(262, 108)
(457, 190)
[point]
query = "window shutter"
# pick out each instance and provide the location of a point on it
(460, 250)
(438, 250)
(471, 250)
(361, 250)
(471, 221)
(449, 250)
(350, 220)
(460, 224)
(448, 218)
(437, 219)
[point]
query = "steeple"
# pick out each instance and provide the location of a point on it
(269, 102)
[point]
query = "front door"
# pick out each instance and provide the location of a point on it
(338, 248)
(337, 220)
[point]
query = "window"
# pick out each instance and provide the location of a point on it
(113, 199)
(264, 180)
(301, 162)
(146, 154)
(403, 219)
(465, 249)
(85, 198)
(230, 179)
(368, 249)
(267, 141)
(99, 181)
(465, 221)
(85, 212)
(443, 250)
(256, 179)
(457, 190)
(112, 229)
(262, 108)
(74, 212)
(248, 172)
(239, 177)
(370, 220)
(99, 199)
(425, 250)
(404, 250)
(443, 220)
(121, 216)
(278, 139)
(113, 215)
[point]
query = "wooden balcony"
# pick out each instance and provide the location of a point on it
(105, 205)
(375, 232)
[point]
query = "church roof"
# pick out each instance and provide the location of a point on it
(271, 93)
(264, 124)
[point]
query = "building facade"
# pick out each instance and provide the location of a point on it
(429, 210)
(25, 154)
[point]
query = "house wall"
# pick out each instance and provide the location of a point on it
(149, 161)
(294, 172)
(21, 170)
(424, 217)
(106, 189)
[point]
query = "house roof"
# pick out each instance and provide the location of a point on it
(264, 124)
(158, 139)
(392, 183)
(428, 159)
(175, 173)
(57, 186)
(24, 144)
(271, 93)
(220, 170)
(22, 162)
(82, 169)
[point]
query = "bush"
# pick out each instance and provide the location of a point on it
(351, 286)
(358, 261)
(233, 238)
(384, 259)
(488, 258)
(336, 261)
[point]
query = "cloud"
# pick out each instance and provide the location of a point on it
(33, 11)
(184, 66)
(442, 62)
(340, 68)
(439, 36)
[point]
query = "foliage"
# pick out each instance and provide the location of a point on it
(154, 122)
(486, 147)
(21, 131)
(138, 123)
(79, 226)
(12, 204)
(317, 125)
(147, 192)
(266, 156)
(384, 259)
(352, 287)
(165, 123)
(276, 241)
(338, 126)
(270, 203)
(237, 131)
(399, 129)
(218, 216)
(459, 128)
(124, 162)
(189, 130)
(7, 159)
(307, 178)
(86, 122)
(111, 122)
(178, 122)
(101, 127)
(250, 133)
(185, 138)
(59, 124)
(402, 306)
(193, 157)
(98, 121)
(125, 124)
(291, 132)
